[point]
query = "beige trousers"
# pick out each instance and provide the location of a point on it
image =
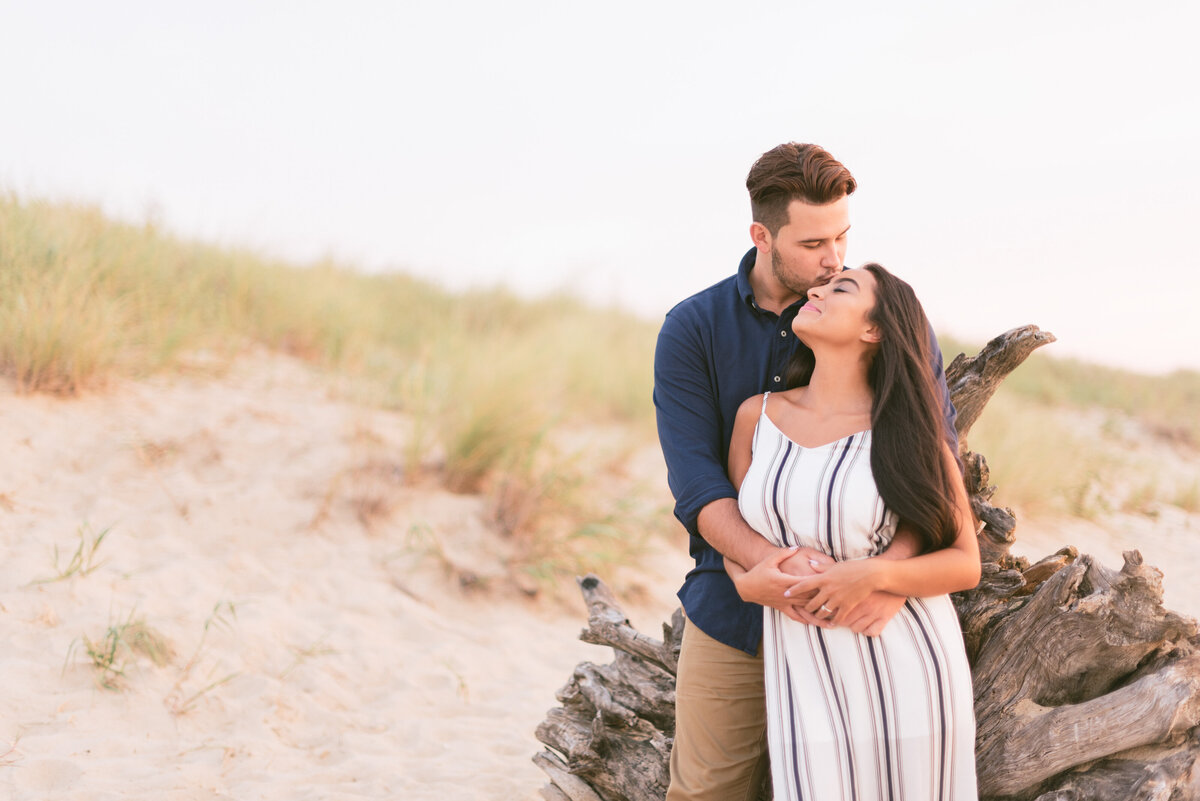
(720, 750)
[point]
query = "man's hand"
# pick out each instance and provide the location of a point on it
(873, 614)
(805, 562)
(767, 582)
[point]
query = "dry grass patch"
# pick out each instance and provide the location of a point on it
(187, 692)
(1167, 406)
(573, 509)
(111, 653)
(1063, 460)
(82, 561)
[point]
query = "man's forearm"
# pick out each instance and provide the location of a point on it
(903, 546)
(722, 526)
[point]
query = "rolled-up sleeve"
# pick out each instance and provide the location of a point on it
(689, 417)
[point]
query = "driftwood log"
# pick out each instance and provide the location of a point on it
(1085, 687)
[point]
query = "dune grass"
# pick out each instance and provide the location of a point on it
(1068, 437)
(1169, 405)
(122, 641)
(84, 300)
(83, 560)
(484, 376)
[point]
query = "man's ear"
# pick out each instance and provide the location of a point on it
(761, 237)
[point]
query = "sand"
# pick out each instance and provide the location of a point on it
(333, 629)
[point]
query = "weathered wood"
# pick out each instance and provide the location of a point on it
(1085, 686)
(973, 380)
(607, 625)
(1172, 776)
(996, 536)
(1050, 676)
(566, 787)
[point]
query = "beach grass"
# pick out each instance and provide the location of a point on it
(82, 561)
(1168, 405)
(484, 375)
(84, 300)
(1069, 437)
(123, 640)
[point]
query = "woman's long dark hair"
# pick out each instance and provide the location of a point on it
(908, 429)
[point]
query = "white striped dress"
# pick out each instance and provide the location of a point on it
(849, 716)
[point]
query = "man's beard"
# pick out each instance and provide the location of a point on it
(783, 278)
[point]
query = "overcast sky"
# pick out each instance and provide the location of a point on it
(1018, 162)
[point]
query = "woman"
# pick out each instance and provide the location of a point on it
(851, 455)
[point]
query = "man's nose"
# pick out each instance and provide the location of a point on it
(830, 258)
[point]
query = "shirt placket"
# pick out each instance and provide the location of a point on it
(781, 351)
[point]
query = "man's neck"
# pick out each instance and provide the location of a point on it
(769, 294)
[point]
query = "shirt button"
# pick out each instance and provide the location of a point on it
(776, 379)
(783, 333)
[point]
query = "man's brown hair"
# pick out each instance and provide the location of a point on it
(790, 172)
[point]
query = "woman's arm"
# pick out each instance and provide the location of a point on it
(844, 585)
(741, 442)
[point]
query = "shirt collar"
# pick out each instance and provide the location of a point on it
(743, 278)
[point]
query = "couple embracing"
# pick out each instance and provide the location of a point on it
(810, 446)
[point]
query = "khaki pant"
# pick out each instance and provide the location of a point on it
(720, 750)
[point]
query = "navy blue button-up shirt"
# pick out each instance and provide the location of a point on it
(716, 349)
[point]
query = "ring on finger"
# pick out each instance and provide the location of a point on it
(826, 610)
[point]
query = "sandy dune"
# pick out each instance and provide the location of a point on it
(317, 638)
(347, 661)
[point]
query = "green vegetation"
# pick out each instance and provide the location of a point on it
(485, 377)
(111, 652)
(570, 512)
(181, 699)
(1169, 405)
(83, 560)
(84, 299)
(1063, 435)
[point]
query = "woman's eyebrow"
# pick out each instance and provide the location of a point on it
(841, 279)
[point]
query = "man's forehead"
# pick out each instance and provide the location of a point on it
(813, 221)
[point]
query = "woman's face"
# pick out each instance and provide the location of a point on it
(838, 312)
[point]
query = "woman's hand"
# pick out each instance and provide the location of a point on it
(836, 590)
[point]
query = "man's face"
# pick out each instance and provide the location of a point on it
(811, 248)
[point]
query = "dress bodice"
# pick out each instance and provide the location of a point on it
(823, 498)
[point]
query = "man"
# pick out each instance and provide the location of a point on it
(717, 348)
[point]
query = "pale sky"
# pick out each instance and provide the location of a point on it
(1018, 162)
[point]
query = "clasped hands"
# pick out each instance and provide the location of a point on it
(810, 587)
